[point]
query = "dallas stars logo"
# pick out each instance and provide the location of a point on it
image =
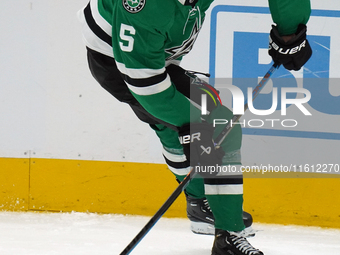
(133, 6)
(178, 51)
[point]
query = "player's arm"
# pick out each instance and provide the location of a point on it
(288, 44)
(139, 53)
(288, 14)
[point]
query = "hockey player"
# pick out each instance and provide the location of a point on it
(134, 50)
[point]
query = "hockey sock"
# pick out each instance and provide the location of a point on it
(227, 210)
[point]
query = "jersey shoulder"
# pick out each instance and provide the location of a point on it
(150, 13)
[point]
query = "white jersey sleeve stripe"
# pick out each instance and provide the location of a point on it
(180, 171)
(152, 89)
(101, 22)
(139, 73)
(90, 39)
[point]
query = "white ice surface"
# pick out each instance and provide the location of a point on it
(89, 234)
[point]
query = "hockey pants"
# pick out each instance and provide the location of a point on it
(224, 193)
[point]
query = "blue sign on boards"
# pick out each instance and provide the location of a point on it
(246, 47)
(245, 52)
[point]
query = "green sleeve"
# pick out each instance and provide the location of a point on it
(288, 14)
(170, 106)
(138, 43)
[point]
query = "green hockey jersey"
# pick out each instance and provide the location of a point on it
(144, 36)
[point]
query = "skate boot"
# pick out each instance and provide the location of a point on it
(232, 243)
(202, 218)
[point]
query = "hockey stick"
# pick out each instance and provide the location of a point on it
(220, 138)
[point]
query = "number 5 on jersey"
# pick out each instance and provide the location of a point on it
(125, 34)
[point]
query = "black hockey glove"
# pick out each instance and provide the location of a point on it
(292, 54)
(199, 148)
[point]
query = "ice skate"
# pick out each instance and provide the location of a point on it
(232, 243)
(202, 218)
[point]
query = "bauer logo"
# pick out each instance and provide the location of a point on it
(239, 53)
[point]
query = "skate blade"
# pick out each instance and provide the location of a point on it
(202, 228)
